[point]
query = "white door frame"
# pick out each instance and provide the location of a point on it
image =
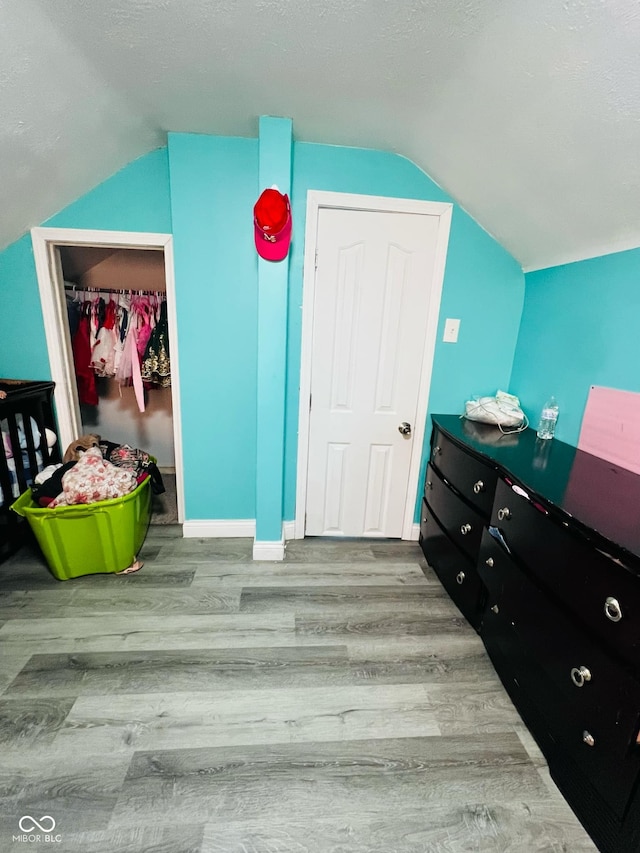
(45, 241)
(316, 200)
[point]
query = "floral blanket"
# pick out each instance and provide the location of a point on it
(93, 478)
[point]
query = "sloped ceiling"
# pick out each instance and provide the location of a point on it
(526, 111)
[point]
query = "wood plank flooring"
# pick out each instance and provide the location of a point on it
(333, 703)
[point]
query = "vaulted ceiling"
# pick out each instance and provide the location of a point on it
(527, 112)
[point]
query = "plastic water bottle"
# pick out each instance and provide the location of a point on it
(548, 419)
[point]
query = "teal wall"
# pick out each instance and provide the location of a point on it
(276, 143)
(134, 199)
(23, 348)
(483, 285)
(213, 190)
(203, 189)
(579, 328)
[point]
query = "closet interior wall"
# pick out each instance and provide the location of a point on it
(117, 416)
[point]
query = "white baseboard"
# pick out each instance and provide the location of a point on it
(218, 528)
(268, 550)
(245, 528)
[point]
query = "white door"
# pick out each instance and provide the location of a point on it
(372, 290)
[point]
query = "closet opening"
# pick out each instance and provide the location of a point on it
(118, 281)
(125, 289)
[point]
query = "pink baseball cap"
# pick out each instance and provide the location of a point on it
(272, 225)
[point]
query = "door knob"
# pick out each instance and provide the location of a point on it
(612, 609)
(580, 675)
(405, 429)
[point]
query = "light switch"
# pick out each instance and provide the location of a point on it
(451, 329)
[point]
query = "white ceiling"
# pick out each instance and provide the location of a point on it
(526, 111)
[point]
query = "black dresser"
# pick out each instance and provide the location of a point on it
(538, 544)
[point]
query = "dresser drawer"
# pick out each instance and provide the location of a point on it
(566, 676)
(600, 593)
(462, 523)
(584, 737)
(456, 572)
(497, 571)
(591, 704)
(555, 640)
(502, 579)
(575, 661)
(475, 480)
(593, 738)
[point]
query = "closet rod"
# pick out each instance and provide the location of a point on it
(79, 289)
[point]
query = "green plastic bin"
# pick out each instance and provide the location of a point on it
(88, 539)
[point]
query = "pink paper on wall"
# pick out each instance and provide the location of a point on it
(611, 427)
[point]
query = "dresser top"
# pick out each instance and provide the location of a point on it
(597, 495)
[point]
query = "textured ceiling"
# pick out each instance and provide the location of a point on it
(526, 111)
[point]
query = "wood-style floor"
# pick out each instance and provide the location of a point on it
(208, 704)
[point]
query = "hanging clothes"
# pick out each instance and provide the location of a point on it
(103, 354)
(81, 345)
(123, 345)
(74, 310)
(136, 376)
(122, 325)
(156, 365)
(125, 336)
(145, 308)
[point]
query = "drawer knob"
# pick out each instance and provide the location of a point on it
(428, 484)
(489, 562)
(478, 487)
(460, 577)
(436, 450)
(495, 608)
(580, 675)
(424, 520)
(588, 738)
(612, 609)
(504, 513)
(466, 528)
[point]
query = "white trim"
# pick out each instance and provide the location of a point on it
(176, 410)
(415, 533)
(288, 530)
(437, 281)
(219, 528)
(108, 239)
(268, 550)
(58, 344)
(60, 359)
(315, 201)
